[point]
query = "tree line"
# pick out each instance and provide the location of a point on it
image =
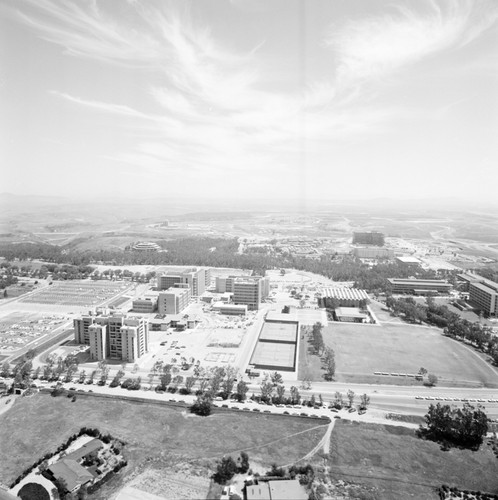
(219, 252)
(479, 336)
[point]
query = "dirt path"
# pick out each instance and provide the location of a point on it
(324, 444)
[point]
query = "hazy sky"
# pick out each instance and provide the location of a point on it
(249, 99)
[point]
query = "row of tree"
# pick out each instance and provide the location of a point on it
(479, 336)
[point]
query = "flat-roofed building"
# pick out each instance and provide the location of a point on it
(350, 314)
(231, 309)
(408, 261)
(250, 290)
(117, 336)
(342, 297)
(283, 489)
(198, 279)
(98, 341)
(173, 301)
(419, 287)
(373, 253)
(484, 297)
(81, 326)
(368, 238)
(146, 304)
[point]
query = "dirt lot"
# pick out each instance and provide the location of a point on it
(361, 350)
(400, 465)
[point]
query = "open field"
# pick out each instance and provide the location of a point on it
(159, 434)
(400, 465)
(361, 350)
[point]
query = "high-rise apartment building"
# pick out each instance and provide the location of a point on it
(113, 336)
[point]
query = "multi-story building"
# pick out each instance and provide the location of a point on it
(373, 253)
(368, 238)
(419, 287)
(250, 290)
(198, 279)
(173, 301)
(146, 304)
(115, 336)
(81, 326)
(483, 293)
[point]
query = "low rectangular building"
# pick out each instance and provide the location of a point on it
(414, 286)
(342, 297)
(350, 314)
(146, 304)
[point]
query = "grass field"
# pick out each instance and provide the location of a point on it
(155, 434)
(361, 350)
(400, 465)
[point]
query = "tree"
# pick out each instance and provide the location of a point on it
(266, 388)
(465, 426)
(5, 373)
(422, 371)
(280, 393)
(217, 376)
(276, 378)
(202, 406)
(228, 382)
(338, 400)
(242, 389)
(329, 360)
(295, 396)
(350, 395)
(364, 401)
(431, 380)
(225, 470)
(189, 383)
(243, 466)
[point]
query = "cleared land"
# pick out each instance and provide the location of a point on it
(400, 465)
(153, 433)
(361, 350)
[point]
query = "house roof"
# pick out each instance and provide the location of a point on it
(86, 449)
(71, 472)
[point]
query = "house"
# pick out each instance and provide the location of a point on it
(73, 474)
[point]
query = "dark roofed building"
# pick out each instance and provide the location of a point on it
(71, 473)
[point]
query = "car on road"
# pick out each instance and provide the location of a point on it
(361, 412)
(429, 398)
(72, 388)
(439, 398)
(337, 416)
(335, 410)
(298, 407)
(419, 397)
(481, 400)
(351, 410)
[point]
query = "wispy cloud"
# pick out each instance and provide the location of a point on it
(375, 46)
(213, 114)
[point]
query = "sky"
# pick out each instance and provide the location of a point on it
(246, 100)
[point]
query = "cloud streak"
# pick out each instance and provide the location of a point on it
(372, 48)
(213, 112)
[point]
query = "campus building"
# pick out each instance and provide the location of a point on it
(414, 286)
(368, 238)
(146, 246)
(146, 304)
(114, 336)
(250, 290)
(483, 293)
(173, 301)
(408, 261)
(373, 253)
(197, 279)
(342, 297)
